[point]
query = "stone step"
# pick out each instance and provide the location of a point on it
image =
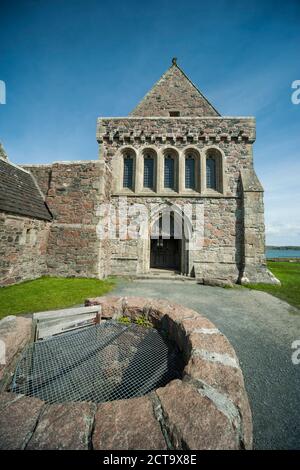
(165, 277)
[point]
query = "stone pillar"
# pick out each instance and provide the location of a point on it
(181, 173)
(160, 172)
(202, 173)
(254, 261)
(139, 173)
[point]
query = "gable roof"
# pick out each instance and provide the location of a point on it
(174, 91)
(20, 194)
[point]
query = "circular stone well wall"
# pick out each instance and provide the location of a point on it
(207, 408)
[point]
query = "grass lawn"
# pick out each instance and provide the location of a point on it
(289, 275)
(49, 293)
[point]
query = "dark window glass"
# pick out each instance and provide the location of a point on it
(148, 172)
(211, 181)
(190, 173)
(128, 172)
(169, 172)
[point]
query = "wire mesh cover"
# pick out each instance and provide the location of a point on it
(99, 363)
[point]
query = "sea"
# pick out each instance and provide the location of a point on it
(283, 253)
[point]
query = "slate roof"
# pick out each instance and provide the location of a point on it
(19, 193)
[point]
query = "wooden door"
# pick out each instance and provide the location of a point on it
(165, 253)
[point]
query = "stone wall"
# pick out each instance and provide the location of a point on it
(42, 175)
(174, 118)
(219, 256)
(180, 129)
(232, 137)
(254, 261)
(74, 192)
(233, 236)
(23, 248)
(233, 215)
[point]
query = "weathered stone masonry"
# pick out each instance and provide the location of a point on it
(222, 253)
(24, 225)
(174, 118)
(23, 248)
(74, 192)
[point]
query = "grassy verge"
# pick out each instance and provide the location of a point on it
(289, 275)
(49, 293)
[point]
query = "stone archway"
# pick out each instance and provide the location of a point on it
(169, 234)
(165, 248)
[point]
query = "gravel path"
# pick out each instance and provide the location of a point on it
(261, 328)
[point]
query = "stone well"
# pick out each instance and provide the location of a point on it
(207, 408)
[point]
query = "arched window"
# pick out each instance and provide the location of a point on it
(190, 172)
(149, 172)
(211, 180)
(128, 172)
(169, 170)
(214, 170)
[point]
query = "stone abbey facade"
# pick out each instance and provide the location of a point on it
(173, 151)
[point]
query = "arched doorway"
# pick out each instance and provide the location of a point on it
(168, 243)
(165, 248)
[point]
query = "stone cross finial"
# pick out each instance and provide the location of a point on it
(174, 61)
(2, 153)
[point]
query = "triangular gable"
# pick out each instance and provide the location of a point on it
(174, 93)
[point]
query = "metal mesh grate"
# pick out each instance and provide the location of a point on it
(99, 363)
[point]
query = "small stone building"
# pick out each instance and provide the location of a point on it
(24, 225)
(174, 151)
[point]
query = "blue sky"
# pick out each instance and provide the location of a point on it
(66, 62)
